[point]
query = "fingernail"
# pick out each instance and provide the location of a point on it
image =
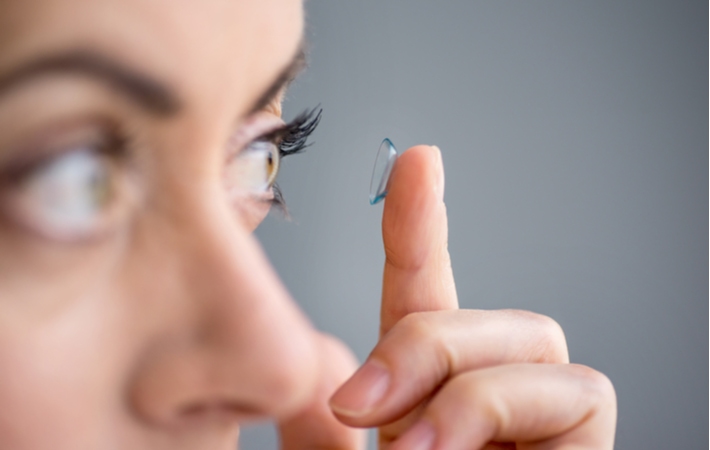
(439, 186)
(421, 436)
(359, 395)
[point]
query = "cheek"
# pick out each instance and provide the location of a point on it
(61, 376)
(257, 213)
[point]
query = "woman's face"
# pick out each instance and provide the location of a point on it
(136, 308)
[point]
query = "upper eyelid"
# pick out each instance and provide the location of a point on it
(307, 118)
(99, 134)
(264, 123)
(290, 138)
(273, 110)
(276, 134)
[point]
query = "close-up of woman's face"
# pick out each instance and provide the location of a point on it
(149, 302)
(135, 162)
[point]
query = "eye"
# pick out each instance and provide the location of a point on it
(70, 196)
(254, 157)
(253, 170)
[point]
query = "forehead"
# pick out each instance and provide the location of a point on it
(208, 50)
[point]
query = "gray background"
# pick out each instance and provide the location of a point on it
(575, 141)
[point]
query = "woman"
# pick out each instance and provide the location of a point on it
(139, 145)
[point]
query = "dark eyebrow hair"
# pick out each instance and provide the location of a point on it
(287, 75)
(147, 92)
(151, 94)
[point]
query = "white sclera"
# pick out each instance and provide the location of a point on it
(386, 156)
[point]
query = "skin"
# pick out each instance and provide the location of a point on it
(169, 328)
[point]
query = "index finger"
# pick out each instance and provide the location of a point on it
(417, 274)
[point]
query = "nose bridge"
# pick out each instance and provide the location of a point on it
(246, 344)
(250, 318)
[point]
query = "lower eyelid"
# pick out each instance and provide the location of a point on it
(250, 209)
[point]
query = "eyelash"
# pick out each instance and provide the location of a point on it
(291, 139)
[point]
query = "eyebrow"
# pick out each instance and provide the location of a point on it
(151, 94)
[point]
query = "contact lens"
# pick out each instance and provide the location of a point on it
(386, 156)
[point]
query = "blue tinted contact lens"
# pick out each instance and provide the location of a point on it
(386, 156)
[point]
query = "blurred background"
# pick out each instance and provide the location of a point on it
(575, 142)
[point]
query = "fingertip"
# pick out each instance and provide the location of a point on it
(362, 393)
(413, 212)
(418, 167)
(440, 183)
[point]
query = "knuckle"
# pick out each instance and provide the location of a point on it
(596, 384)
(418, 339)
(416, 326)
(549, 344)
(480, 393)
(393, 255)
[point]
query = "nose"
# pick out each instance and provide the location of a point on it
(221, 336)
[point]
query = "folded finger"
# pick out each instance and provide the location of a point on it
(539, 406)
(425, 349)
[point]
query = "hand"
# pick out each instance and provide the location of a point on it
(442, 378)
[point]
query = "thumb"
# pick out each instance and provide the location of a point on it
(417, 274)
(316, 427)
